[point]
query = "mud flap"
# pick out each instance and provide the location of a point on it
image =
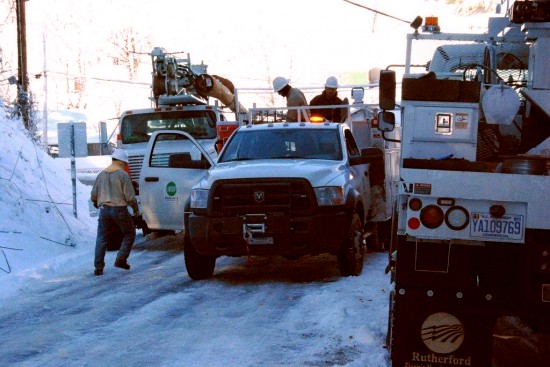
(428, 330)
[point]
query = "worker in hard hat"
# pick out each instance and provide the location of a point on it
(112, 193)
(329, 96)
(294, 98)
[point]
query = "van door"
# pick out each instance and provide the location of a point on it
(174, 162)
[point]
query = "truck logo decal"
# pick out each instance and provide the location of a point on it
(442, 333)
(171, 189)
(259, 196)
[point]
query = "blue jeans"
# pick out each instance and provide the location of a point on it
(113, 216)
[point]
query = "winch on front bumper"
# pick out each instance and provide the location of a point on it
(271, 233)
(267, 217)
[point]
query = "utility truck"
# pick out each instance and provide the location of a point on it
(287, 189)
(181, 92)
(277, 188)
(471, 229)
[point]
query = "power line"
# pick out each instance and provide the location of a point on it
(377, 11)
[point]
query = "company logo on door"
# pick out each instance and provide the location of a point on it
(171, 189)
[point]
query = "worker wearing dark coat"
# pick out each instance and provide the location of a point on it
(328, 97)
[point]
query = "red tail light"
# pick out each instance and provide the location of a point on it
(431, 216)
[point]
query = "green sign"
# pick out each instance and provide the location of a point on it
(171, 189)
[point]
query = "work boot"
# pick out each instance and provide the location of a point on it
(98, 271)
(123, 264)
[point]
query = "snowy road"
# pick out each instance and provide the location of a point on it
(264, 313)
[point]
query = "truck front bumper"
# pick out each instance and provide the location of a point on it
(269, 234)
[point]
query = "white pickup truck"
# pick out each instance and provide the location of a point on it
(287, 189)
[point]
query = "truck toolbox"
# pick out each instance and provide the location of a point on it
(441, 90)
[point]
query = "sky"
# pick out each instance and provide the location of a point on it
(55, 312)
(249, 42)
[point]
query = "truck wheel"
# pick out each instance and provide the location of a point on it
(198, 266)
(352, 253)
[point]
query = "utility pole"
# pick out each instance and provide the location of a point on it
(23, 80)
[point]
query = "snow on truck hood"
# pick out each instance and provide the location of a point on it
(318, 172)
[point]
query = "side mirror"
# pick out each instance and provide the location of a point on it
(386, 92)
(386, 121)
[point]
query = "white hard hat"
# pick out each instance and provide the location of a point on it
(120, 154)
(279, 83)
(332, 82)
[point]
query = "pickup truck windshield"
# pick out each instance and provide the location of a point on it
(139, 127)
(287, 143)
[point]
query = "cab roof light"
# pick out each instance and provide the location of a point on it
(316, 119)
(432, 21)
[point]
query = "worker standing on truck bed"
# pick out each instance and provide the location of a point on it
(112, 193)
(328, 97)
(294, 97)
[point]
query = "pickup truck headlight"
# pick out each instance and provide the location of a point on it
(330, 196)
(199, 199)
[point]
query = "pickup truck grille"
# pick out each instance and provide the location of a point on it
(134, 162)
(285, 196)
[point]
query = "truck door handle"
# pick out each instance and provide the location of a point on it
(151, 179)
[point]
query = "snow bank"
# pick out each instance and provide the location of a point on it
(38, 228)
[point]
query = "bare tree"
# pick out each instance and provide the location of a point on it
(129, 47)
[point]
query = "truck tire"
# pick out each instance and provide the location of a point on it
(198, 266)
(352, 253)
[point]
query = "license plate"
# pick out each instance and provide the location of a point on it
(509, 227)
(261, 241)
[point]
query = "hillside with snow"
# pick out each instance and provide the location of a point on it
(38, 227)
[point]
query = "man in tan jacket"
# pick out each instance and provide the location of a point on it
(112, 193)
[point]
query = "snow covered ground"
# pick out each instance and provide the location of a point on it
(39, 232)
(268, 312)
(264, 313)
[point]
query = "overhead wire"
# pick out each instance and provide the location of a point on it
(377, 11)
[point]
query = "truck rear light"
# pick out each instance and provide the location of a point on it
(457, 218)
(415, 204)
(497, 211)
(431, 216)
(413, 223)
